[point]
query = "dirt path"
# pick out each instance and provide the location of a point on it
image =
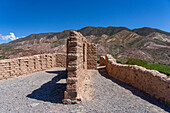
(42, 92)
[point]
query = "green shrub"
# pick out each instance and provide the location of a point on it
(134, 61)
(118, 61)
(159, 67)
(3, 57)
(98, 58)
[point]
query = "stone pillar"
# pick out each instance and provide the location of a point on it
(77, 57)
(91, 56)
(76, 66)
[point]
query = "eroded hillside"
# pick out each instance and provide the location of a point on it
(145, 43)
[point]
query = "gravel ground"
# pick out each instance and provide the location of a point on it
(42, 92)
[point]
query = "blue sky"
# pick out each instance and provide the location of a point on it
(24, 17)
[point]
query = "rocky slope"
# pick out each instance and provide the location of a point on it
(145, 43)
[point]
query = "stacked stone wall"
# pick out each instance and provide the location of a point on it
(150, 81)
(76, 65)
(80, 56)
(91, 56)
(26, 65)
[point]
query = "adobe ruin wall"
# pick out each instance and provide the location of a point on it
(91, 56)
(80, 56)
(150, 81)
(27, 65)
(76, 66)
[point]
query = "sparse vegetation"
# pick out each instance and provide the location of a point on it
(9, 50)
(134, 61)
(159, 67)
(146, 31)
(3, 57)
(98, 58)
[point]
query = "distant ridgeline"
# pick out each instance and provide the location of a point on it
(152, 45)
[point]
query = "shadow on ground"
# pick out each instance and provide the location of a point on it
(135, 91)
(51, 91)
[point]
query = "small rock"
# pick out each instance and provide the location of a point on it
(66, 101)
(74, 101)
(34, 104)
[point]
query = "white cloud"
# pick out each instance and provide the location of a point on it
(9, 37)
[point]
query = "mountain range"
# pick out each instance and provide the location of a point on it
(144, 43)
